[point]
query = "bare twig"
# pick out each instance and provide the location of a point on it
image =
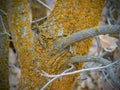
(34, 21)
(108, 20)
(44, 5)
(3, 12)
(77, 71)
(47, 75)
(72, 66)
(106, 78)
(98, 45)
(5, 31)
(100, 60)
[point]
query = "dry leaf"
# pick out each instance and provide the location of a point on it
(108, 43)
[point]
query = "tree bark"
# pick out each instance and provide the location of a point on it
(34, 51)
(4, 44)
(19, 19)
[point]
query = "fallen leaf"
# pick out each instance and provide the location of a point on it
(108, 43)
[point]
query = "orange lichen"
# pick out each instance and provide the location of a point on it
(95, 28)
(68, 15)
(20, 26)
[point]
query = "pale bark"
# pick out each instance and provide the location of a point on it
(19, 19)
(115, 79)
(91, 32)
(4, 44)
(34, 50)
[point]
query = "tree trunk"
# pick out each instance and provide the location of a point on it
(19, 20)
(4, 81)
(36, 51)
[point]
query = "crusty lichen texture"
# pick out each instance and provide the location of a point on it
(22, 37)
(4, 43)
(68, 16)
(34, 51)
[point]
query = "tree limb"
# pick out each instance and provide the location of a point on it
(4, 28)
(89, 59)
(41, 2)
(64, 42)
(103, 61)
(65, 73)
(54, 78)
(3, 12)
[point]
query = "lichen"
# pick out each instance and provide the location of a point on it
(96, 28)
(73, 16)
(4, 46)
(69, 15)
(109, 28)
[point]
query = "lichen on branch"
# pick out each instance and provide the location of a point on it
(4, 48)
(78, 36)
(68, 17)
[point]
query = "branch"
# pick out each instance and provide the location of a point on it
(89, 59)
(44, 4)
(67, 41)
(54, 78)
(65, 73)
(103, 61)
(98, 45)
(84, 70)
(106, 78)
(4, 28)
(3, 12)
(34, 21)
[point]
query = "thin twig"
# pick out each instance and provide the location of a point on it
(48, 83)
(108, 20)
(38, 20)
(100, 60)
(111, 11)
(3, 12)
(106, 78)
(5, 31)
(98, 45)
(54, 78)
(74, 72)
(44, 5)
(72, 66)
(84, 70)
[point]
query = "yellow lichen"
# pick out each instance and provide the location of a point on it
(96, 28)
(68, 15)
(4, 50)
(83, 33)
(109, 28)
(74, 15)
